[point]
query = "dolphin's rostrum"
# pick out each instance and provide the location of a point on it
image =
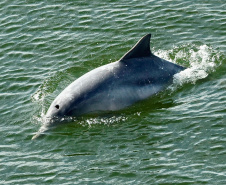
(138, 75)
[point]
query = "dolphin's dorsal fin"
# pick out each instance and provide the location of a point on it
(141, 49)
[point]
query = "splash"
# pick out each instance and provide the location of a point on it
(199, 60)
(46, 89)
(104, 120)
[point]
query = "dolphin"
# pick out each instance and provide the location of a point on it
(138, 75)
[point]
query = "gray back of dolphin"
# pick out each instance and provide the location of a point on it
(138, 75)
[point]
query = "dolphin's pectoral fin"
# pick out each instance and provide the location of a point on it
(141, 49)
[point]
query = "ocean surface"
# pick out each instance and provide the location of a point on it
(176, 137)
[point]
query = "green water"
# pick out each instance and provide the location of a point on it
(177, 137)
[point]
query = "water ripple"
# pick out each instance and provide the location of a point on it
(176, 138)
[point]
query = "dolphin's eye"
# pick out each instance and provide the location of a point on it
(57, 106)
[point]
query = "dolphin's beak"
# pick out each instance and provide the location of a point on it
(37, 135)
(41, 132)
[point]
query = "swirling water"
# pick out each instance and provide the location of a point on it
(177, 137)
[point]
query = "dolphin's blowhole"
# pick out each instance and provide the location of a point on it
(57, 106)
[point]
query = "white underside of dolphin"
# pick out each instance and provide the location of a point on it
(138, 75)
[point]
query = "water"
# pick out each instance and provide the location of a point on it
(177, 137)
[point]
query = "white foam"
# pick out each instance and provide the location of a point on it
(199, 60)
